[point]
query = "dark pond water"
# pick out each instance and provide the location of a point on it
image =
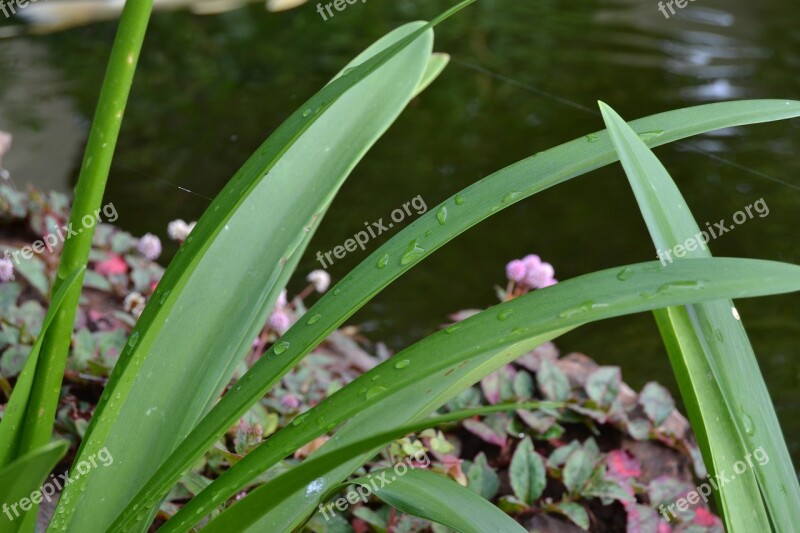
(525, 77)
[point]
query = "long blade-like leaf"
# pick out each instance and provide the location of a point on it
(436, 368)
(89, 191)
(430, 232)
(196, 327)
(439, 499)
(21, 479)
(710, 338)
(12, 427)
(245, 513)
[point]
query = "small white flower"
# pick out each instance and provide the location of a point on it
(178, 230)
(280, 321)
(134, 304)
(320, 279)
(6, 270)
(149, 246)
(282, 299)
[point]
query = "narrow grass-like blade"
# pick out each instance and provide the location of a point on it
(439, 499)
(87, 202)
(440, 366)
(22, 478)
(13, 426)
(742, 418)
(219, 290)
(431, 231)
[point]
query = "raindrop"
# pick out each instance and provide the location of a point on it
(314, 319)
(504, 314)
(748, 424)
(413, 253)
(376, 390)
(649, 135)
(133, 339)
(452, 329)
(281, 347)
(678, 287)
(459, 199)
(625, 274)
(442, 215)
(402, 364)
(383, 261)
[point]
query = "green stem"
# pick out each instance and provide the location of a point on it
(88, 197)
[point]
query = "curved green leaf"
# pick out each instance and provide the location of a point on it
(733, 413)
(440, 366)
(12, 428)
(439, 499)
(195, 329)
(245, 512)
(431, 231)
(22, 478)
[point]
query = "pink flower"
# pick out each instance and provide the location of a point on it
(112, 266)
(282, 299)
(279, 321)
(149, 246)
(516, 270)
(532, 262)
(540, 276)
(6, 270)
(290, 401)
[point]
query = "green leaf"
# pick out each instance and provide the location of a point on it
(265, 218)
(527, 472)
(436, 66)
(35, 271)
(732, 414)
(89, 190)
(484, 198)
(247, 511)
(13, 360)
(559, 456)
(439, 499)
(23, 478)
(575, 512)
(657, 402)
(12, 428)
(552, 381)
(578, 470)
(603, 385)
(464, 356)
(482, 479)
